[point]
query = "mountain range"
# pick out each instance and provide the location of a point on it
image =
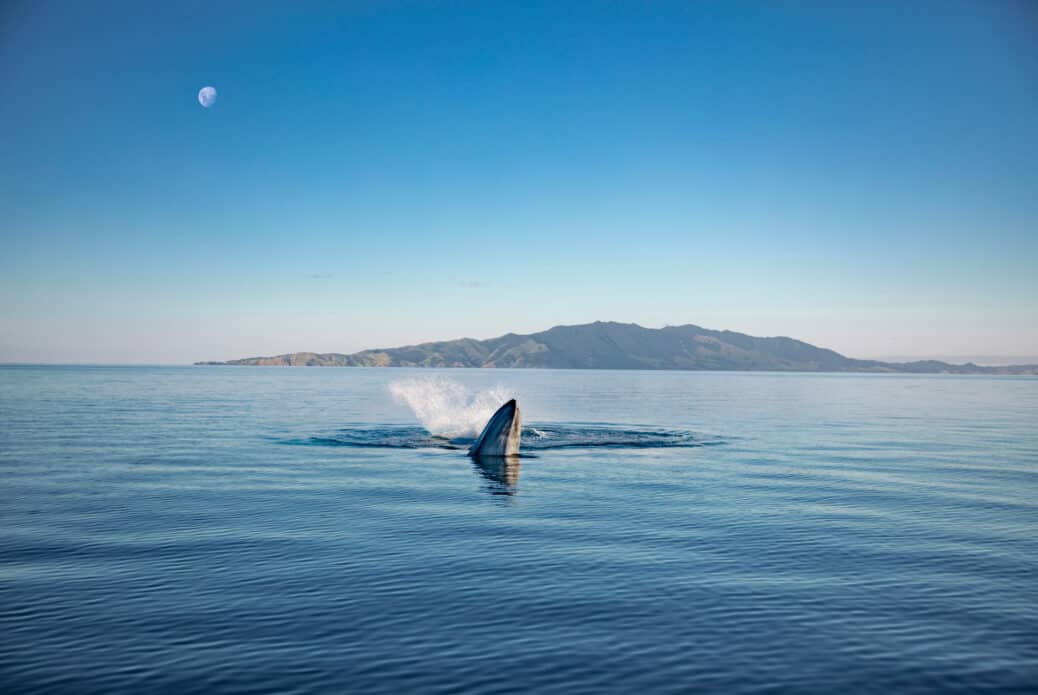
(611, 345)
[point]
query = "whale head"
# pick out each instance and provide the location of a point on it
(501, 434)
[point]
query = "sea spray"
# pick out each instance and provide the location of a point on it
(447, 408)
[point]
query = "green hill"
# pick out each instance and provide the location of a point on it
(610, 345)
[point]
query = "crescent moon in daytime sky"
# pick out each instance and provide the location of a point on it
(207, 96)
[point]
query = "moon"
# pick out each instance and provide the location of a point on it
(207, 96)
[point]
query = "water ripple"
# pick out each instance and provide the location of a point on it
(535, 438)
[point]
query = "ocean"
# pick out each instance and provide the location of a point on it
(297, 530)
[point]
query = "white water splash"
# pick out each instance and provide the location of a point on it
(446, 408)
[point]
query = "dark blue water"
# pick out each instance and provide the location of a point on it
(297, 530)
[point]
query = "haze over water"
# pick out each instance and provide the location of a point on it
(291, 530)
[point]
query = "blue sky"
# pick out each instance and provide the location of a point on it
(860, 176)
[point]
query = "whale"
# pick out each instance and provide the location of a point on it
(500, 436)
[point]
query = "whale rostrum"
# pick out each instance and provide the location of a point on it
(501, 435)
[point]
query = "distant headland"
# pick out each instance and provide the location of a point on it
(611, 345)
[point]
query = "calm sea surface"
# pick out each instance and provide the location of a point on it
(215, 529)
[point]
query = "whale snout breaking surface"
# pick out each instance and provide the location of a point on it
(500, 436)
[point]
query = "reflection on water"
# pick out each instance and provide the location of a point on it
(501, 471)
